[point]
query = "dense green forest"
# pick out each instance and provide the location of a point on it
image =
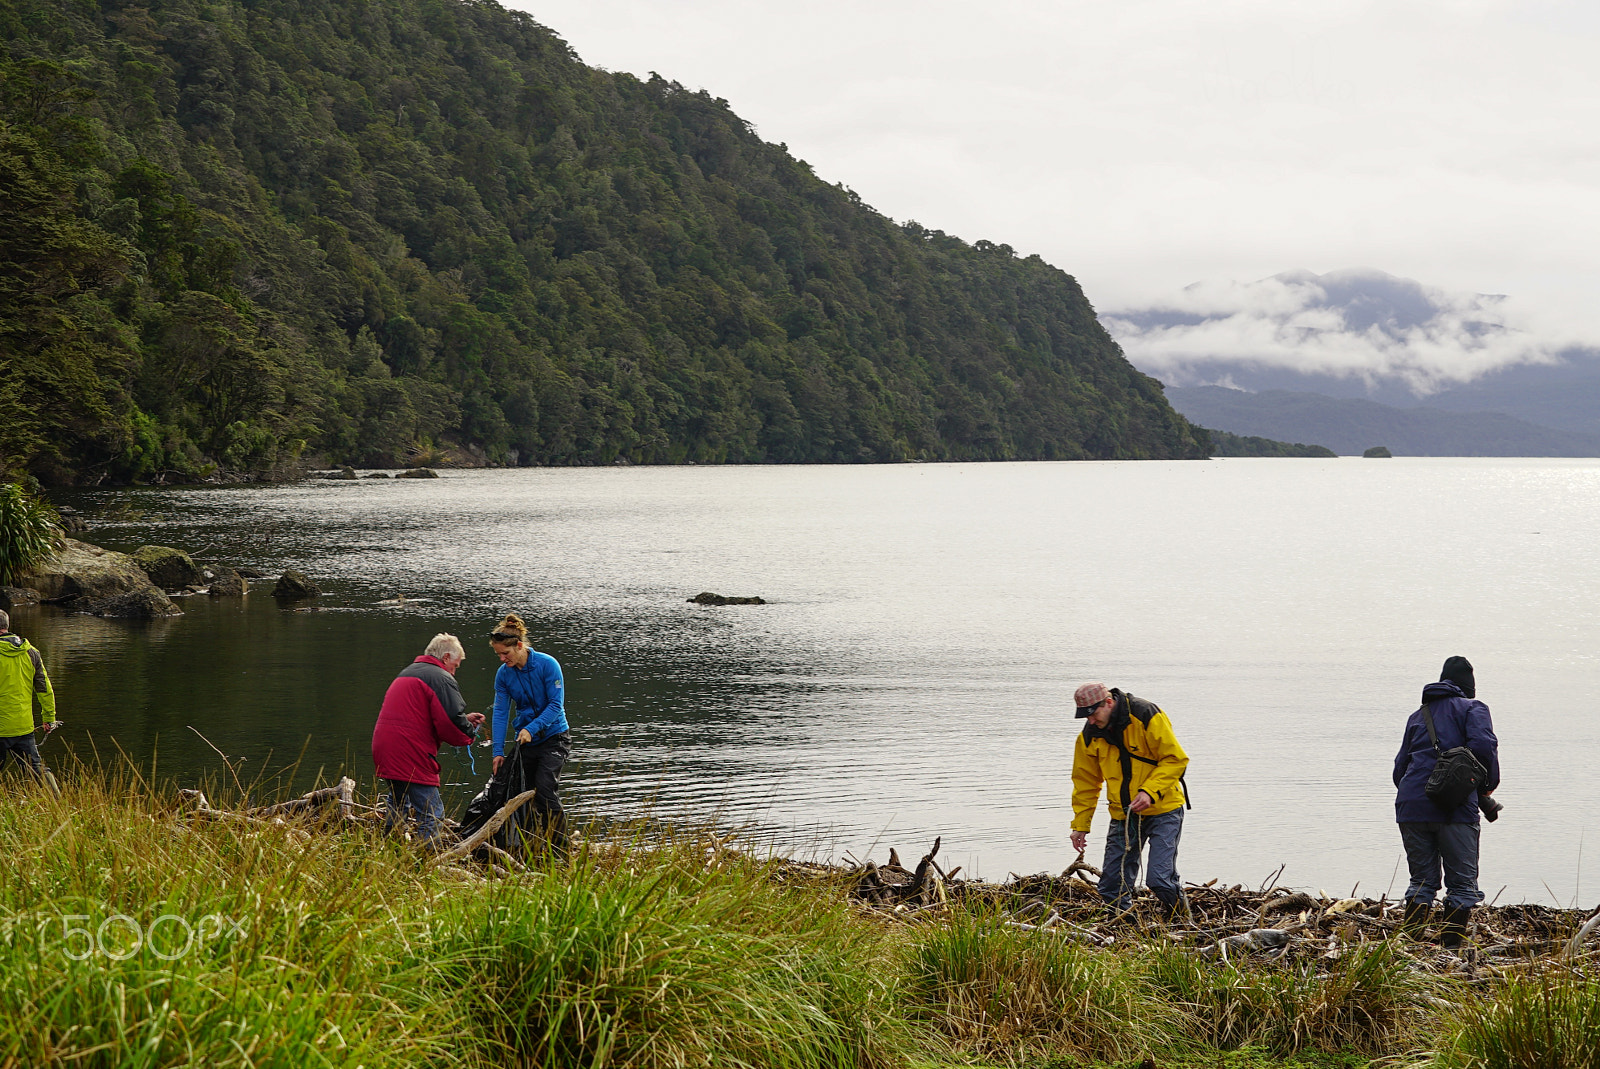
(245, 235)
(1226, 444)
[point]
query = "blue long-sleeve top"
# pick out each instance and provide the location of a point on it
(535, 692)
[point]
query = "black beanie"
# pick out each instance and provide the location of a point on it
(1458, 670)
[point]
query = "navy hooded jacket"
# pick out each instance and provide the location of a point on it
(1459, 721)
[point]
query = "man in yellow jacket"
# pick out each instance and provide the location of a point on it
(1128, 745)
(22, 680)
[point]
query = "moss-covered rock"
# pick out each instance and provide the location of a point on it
(293, 586)
(168, 568)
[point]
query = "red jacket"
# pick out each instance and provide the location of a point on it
(422, 708)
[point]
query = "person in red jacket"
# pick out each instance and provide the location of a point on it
(422, 708)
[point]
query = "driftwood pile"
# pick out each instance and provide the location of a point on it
(336, 806)
(1222, 922)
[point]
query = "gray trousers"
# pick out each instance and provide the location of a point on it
(1453, 848)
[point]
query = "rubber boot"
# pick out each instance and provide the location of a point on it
(1454, 927)
(1416, 916)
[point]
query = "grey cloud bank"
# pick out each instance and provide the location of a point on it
(1361, 325)
(1143, 145)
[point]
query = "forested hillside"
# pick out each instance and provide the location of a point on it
(244, 235)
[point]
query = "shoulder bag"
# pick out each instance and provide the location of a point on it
(1457, 772)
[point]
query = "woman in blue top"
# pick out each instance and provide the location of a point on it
(527, 690)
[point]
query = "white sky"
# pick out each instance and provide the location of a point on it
(1146, 144)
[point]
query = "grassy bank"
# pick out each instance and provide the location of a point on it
(135, 938)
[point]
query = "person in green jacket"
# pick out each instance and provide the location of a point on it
(22, 680)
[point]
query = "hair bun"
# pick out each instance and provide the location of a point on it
(513, 625)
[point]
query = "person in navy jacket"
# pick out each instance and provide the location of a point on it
(1435, 838)
(423, 707)
(528, 692)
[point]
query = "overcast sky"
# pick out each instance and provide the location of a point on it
(1143, 145)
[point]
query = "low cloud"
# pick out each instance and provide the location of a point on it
(1360, 324)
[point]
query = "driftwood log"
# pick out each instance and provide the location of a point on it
(466, 846)
(342, 792)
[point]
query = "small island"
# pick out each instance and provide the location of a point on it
(1378, 452)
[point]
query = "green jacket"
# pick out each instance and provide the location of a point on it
(22, 677)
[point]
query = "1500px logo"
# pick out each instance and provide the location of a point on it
(168, 937)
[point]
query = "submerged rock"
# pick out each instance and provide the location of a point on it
(293, 586)
(708, 598)
(146, 604)
(418, 473)
(377, 475)
(168, 568)
(345, 473)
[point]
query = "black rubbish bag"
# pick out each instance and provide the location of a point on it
(514, 778)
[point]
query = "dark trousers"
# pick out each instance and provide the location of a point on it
(26, 752)
(541, 767)
(1453, 848)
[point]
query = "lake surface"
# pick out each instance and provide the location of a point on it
(913, 673)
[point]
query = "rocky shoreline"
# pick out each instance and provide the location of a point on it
(142, 585)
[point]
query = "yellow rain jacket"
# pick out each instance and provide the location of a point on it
(22, 681)
(1154, 762)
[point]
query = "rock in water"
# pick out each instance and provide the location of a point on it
(708, 598)
(252, 573)
(293, 585)
(168, 568)
(71, 521)
(12, 596)
(147, 604)
(418, 473)
(377, 475)
(85, 575)
(345, 473)
(227, 583)
(1380, 452)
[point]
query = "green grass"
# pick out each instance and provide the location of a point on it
(1536, 1022)
(341, 948)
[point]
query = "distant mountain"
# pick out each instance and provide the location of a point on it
(1351, 425)
(1366, 335)
(1565, 396)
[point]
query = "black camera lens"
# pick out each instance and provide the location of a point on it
(1489, 808)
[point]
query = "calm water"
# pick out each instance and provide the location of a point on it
(913, 673)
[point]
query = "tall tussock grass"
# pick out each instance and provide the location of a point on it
(1003, 994)
(133, 938)
(690, 965)
(1532, 1023)
(1365, 1001)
